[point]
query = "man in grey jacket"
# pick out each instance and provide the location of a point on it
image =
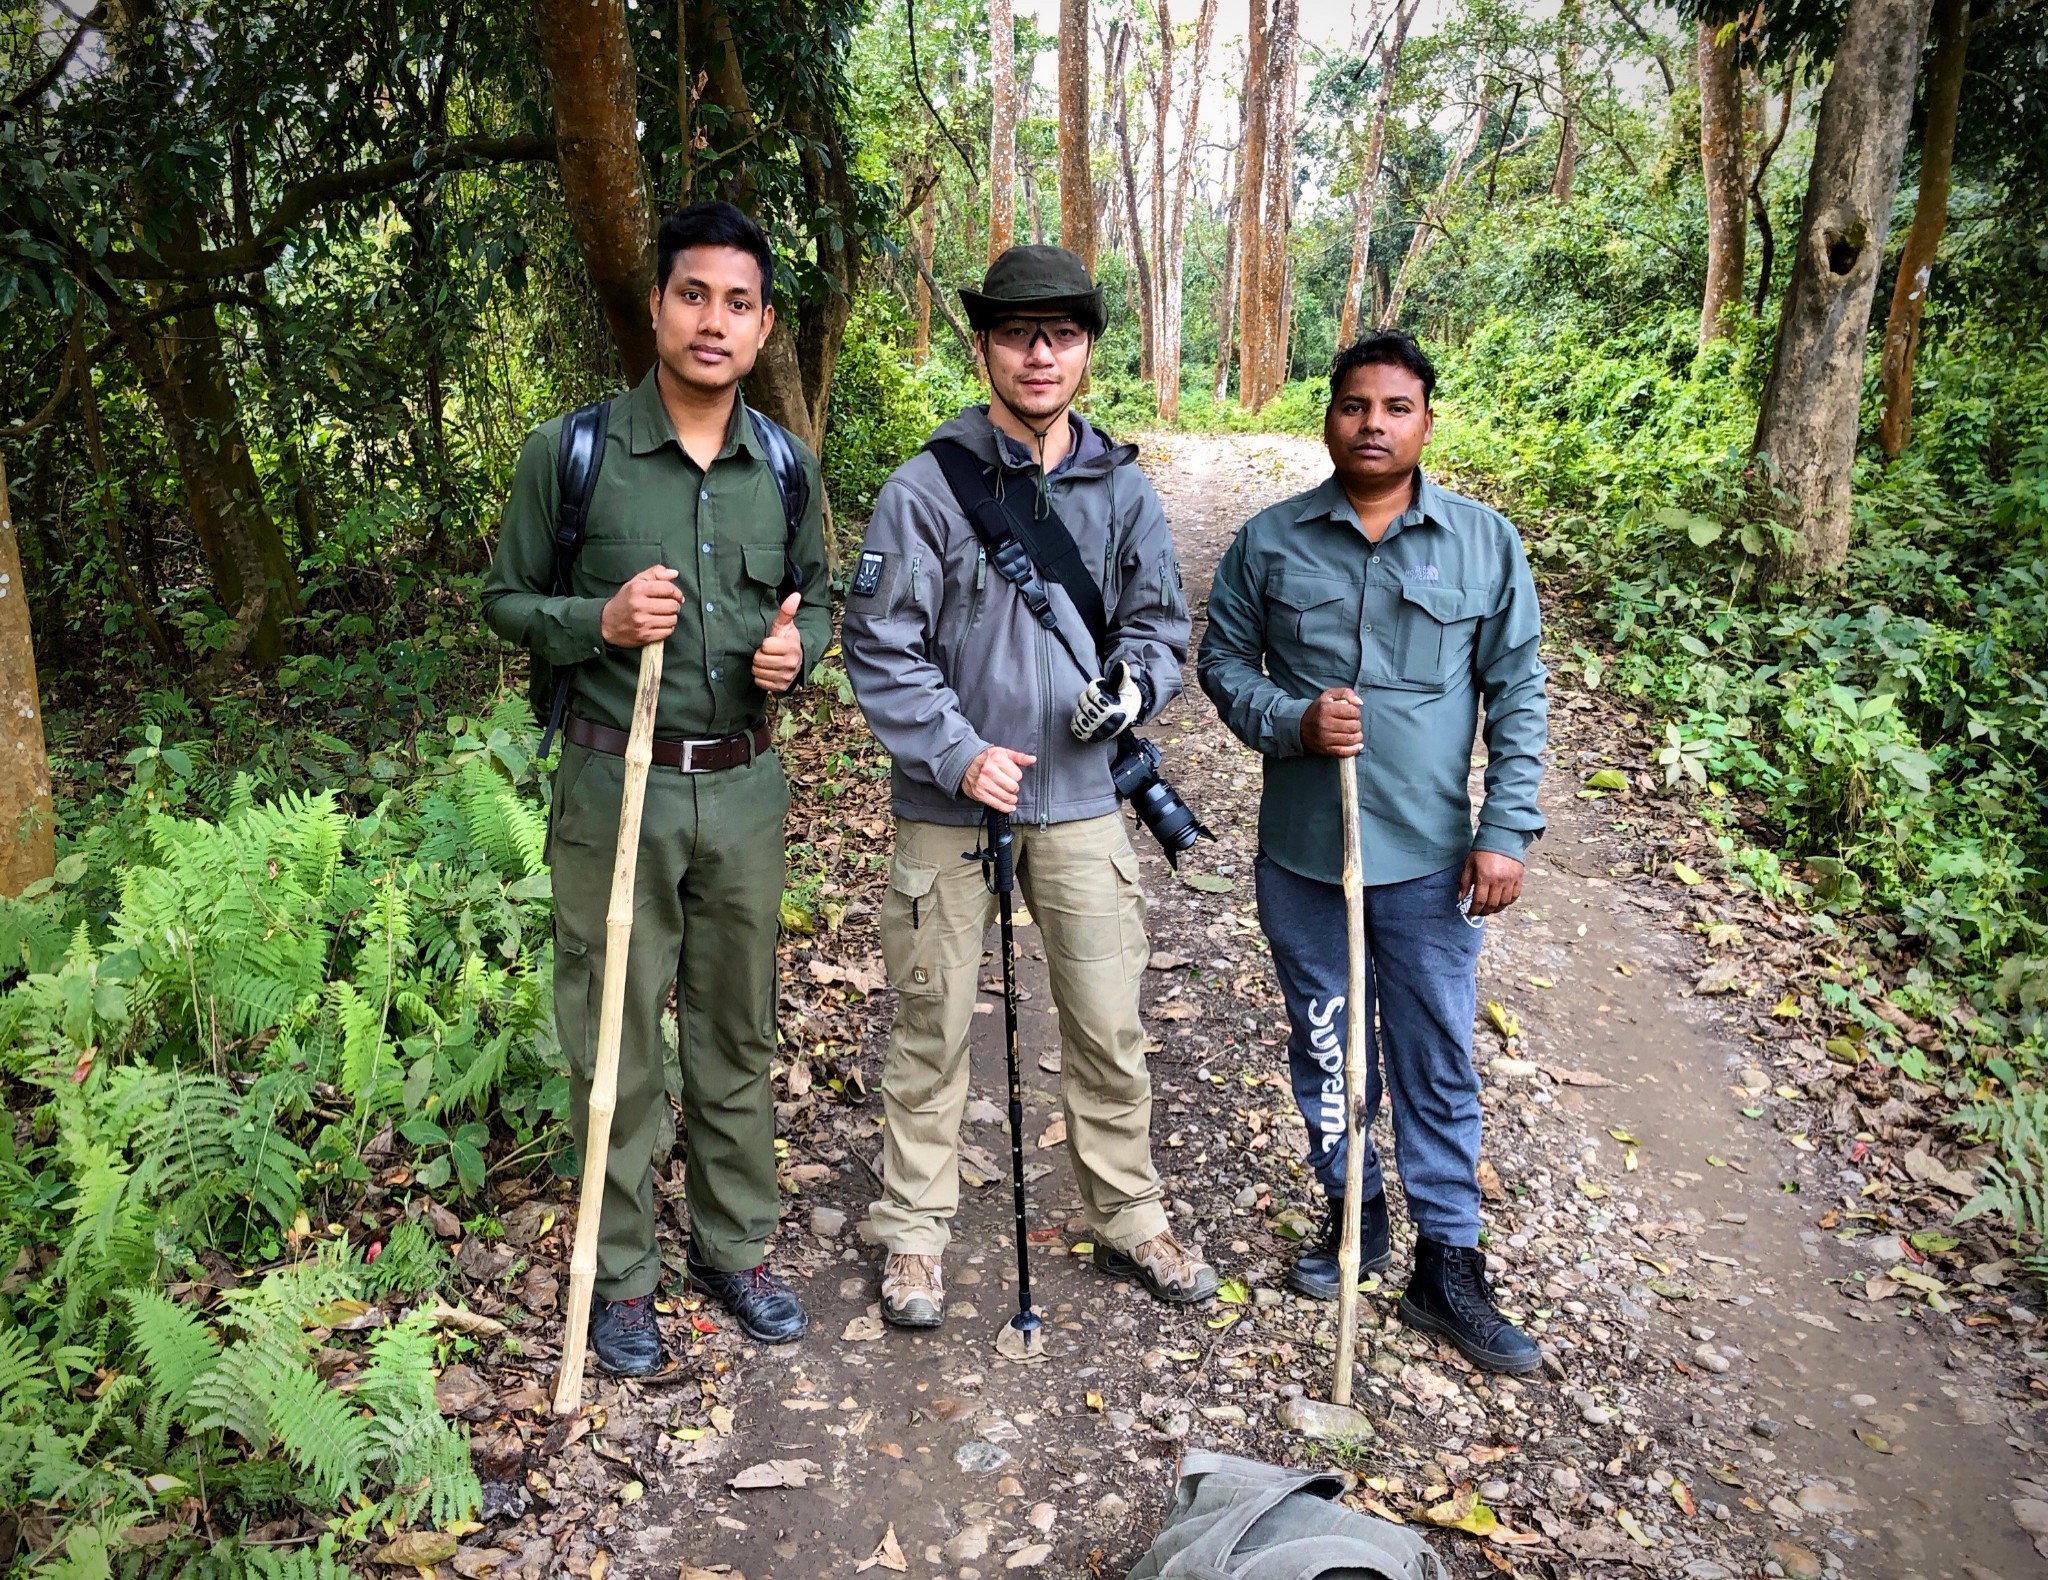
(981, 706)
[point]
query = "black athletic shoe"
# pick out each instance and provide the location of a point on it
(623, 1336)
(766, 1308)
(1314, 1272)
(1449, 1296)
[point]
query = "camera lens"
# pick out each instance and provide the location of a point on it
(1172, 820)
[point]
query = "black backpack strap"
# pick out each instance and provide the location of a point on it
(1043, 540)
(578, 460)
(792, 485)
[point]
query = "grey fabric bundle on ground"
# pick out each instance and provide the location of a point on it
(1238, 1519)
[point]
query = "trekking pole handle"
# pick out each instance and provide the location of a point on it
(1001, 853)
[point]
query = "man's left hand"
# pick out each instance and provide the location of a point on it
(1494, 881)
(781, 653)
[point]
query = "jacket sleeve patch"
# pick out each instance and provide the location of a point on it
(867, 576)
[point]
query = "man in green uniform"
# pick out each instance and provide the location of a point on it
(686, 544)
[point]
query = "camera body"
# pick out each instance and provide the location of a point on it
(1172, 821)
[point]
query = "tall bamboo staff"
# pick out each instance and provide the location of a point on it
(604, 1080)
(1354, 1084)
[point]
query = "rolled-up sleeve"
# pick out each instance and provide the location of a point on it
(1230, 665)
(1514, 684)
(519, 600)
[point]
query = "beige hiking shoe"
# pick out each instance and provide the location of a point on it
(913, 1294)
(1163, 1265)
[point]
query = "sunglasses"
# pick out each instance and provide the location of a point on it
(1022, 334)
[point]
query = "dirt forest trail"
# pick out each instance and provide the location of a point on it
(1719, 1399)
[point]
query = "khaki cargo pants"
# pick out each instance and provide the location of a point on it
(707, 904)
(1081, 883)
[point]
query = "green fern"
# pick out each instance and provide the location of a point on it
(2015, 1184)
(177, 1347)
(321, 1432)
(411, 1262)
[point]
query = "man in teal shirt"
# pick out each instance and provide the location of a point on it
(1371, 617)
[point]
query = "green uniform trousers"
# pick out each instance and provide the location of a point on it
(1081, 882)
(706, 912)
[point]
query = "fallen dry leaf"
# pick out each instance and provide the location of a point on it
(774, 1473)
(888, 1553)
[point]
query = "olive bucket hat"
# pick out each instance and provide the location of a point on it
(1039, 281)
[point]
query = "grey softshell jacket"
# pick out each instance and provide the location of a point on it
(946, 658)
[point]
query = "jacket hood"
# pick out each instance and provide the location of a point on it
(973, 429)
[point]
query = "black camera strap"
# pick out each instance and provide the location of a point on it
(1023, 546)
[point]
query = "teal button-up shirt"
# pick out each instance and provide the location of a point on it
(1424, 625)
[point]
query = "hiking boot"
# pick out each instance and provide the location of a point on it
(913, 1294)
(1163, 1265)
(623, 1336)
(766, 1308)
(1314, 1272)
(1449, 1296)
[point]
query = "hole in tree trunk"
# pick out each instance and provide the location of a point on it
(1844, 248)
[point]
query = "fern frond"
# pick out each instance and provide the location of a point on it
(321, 1432)
(411, 1262)
(23, 1373)
(177, 1346)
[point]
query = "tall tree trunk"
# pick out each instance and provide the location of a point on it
(1134, 215)
(1077, 183)
(589, 62)
(1721, 169)
(1002, 153)
(228, 508)
(1265, 373)
(1365, 196)
(1930, 219)
(1254, 304)
(28, 823)
(1565, 171)
(1806, 430)
(1161, 83)
(1173, 250)
(1226, 303)
(927, 245)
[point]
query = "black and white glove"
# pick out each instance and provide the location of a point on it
(1110, 705)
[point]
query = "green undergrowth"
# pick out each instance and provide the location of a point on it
(1891, 728)
(236, 998)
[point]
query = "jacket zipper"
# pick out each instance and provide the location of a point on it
(1044, 728)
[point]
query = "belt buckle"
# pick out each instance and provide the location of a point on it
(688, 765)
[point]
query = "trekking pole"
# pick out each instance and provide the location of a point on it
(1354, 1083)
(604, 1079)
(1024, 1337)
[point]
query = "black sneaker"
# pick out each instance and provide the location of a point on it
(624, 1337)
(766, 1308)
(1314, 1272)
(1449, 1296)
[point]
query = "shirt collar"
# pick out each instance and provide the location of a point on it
(1329, 501)
(648, 427)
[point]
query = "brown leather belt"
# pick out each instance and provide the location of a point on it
(692, 757)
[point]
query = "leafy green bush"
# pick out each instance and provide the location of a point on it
(212, 1021)
(883, 410)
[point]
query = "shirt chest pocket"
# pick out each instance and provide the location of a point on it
(606, 565)
(762, 580)
(1439, 626)
(1315, 625)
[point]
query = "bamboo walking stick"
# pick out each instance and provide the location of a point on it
(1354, 1084)
(604, 1079)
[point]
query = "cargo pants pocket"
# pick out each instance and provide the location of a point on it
(910, 936)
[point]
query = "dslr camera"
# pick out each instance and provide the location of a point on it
(1158, 805)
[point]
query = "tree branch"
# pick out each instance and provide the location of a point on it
(55, 404)
(337, 186)
(46, 79)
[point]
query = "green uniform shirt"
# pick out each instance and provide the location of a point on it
(721, 527)
(1424, 625)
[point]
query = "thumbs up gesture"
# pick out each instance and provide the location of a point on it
(781, 653)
